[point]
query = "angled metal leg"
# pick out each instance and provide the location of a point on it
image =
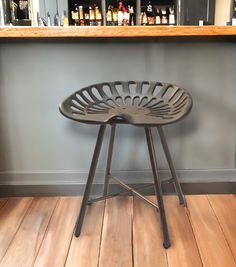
(171, 166)
(90, 179)
(158, 189)
(109, 159)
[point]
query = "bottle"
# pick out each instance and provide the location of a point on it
(120, 14)
(109, 16)
(115, 16)
(171, 17)
(145, 19)
(49, 22)
(57, 19)
(91, 16)
(98, 16)
(164, 19)
(158, 17)
(86, 18)
(150, 15)
(125, 17)
(65, 19)
(131, 16)
(81, 16)
(75, 15)
(39, 20)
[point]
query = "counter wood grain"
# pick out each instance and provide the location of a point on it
(117, 31)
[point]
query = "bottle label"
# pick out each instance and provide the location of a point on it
(149, 8)
(120, 18)
(109, 15)
(91, 14)
(115, 16)
(74, 15)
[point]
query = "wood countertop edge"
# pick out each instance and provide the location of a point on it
(116, 31)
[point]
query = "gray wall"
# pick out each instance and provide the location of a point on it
(38, 145)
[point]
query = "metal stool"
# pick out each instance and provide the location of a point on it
(145, 104)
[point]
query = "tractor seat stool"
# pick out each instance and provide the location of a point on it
(140, 103)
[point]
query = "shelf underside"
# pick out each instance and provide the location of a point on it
(117, 31)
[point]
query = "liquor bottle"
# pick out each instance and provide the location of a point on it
(86, 18)
(57, 20)
(65, 19)
(98, 16)
(39, 20)
(109, 16)
(49, 23)
(171, 16)
(75, 15)
(91, 16)
(115, 16)
(131, 15)
(81, 16)
(125, 17)
(57, 17)
(158, 17)
(145, 19)
(150, 14)
(164, 19)
(120, 14)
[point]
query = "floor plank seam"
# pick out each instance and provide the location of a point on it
(46, 230)
(100, 243)
(192, 228)
(68, 251)
(132, 233)
(221, 228)
(23, 217)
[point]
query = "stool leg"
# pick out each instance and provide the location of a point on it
(171, 166)
(90, 179)
(158, 189)
(109, 159)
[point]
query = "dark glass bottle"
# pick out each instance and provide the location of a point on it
(150, 14)
(81, 16)
(75, 15)
(91, 16)
(23, 9)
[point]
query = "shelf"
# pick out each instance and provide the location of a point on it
(92, 32)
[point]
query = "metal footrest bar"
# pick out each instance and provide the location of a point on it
(117, 194)
(168, 181)
(134, 191)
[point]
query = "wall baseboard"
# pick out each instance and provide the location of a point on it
(77, 190)
(132, 177)
(220, 181)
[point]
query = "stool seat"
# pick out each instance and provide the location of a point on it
(141, 103)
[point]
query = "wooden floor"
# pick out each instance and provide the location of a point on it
(122, 232)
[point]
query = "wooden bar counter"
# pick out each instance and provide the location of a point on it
(117, 31)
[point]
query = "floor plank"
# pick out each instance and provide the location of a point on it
(224, 207)
(84, 251)
(116, 244)
(183, 251)
(11, 216)
(147, 236)
(27, 240)
(213, 247)
(54, 249)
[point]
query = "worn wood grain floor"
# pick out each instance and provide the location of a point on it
(121, 232)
